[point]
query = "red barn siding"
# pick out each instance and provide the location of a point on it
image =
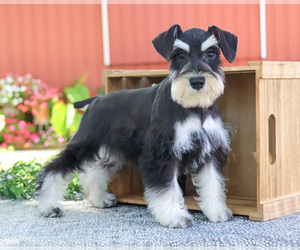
(58, 43)
(283, 33)
(137, 25)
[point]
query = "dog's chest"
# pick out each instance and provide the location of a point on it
(196, 138)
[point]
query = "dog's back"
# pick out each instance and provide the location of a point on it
(119, 119)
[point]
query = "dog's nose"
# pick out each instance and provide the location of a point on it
(197, 82)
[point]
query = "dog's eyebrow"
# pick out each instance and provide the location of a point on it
(182, 45)
(209, 42)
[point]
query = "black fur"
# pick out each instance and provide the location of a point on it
(83, 103)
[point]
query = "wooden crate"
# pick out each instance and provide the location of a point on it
(262, 103)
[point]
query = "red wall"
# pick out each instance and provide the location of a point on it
(137, 25)
(58, 43)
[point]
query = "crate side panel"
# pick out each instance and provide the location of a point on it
(280, 98)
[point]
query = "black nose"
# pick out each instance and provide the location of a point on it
(197, 82)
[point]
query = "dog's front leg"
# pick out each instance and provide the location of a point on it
(166, 203)
(210, 186)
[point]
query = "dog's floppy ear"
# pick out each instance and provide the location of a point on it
(227, 41)
(163, 43)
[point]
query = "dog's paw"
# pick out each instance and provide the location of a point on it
(184, 221)
(51, 211)
(219, 215)
(109, 200)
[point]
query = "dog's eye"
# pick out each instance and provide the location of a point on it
(211, 54)
(181, 56)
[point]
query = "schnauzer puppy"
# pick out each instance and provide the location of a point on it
(167, 130)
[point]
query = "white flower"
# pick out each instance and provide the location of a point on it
(15, 102)
(23, 88)
(9, 79)
(15, 88)
(9, 177)
(4, 100)
(2, 81)
(20, 100)
(8, 88)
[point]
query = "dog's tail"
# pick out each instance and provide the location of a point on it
(82, 104)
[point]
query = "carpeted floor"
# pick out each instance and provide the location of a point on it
(133, 226)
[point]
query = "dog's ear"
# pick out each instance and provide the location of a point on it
(227, 41)
(163, 43)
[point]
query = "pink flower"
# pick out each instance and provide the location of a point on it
(27, 134)
(22, 108)
(46, 144)
(44, 105)
(22, 125)
(18, 138)
(11, 128)
(7, 138)
(34, 111)
(60, 139)
(35, 138)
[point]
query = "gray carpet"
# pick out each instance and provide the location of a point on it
(133, 226)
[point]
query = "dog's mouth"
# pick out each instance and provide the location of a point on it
(196, 89)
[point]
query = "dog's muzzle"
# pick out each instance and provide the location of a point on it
(197, 83)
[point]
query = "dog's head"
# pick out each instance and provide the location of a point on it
(194, 55)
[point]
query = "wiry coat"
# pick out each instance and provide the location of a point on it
(166, 130)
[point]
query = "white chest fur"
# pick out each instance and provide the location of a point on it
(211, 131)
(215, 129)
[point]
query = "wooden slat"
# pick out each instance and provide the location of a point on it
(281, 207)
(278, 69)
(238, 206)
(135, 73)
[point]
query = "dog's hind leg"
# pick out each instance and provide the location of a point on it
(166, 203)
(210, 186)
(52, 183)
(95, 178)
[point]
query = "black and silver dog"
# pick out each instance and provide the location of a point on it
(170, 129)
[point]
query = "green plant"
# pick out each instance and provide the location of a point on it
(78, 91)
(19, 181)
(74, 190)
(64, 118)
(101, 91)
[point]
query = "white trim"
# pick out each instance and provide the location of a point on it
(105, 33)
(263, 32)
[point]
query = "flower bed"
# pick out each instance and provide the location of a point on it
(34, 115)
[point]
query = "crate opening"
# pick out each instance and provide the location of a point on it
(237, 107)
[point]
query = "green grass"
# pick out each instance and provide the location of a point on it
(18, 182)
